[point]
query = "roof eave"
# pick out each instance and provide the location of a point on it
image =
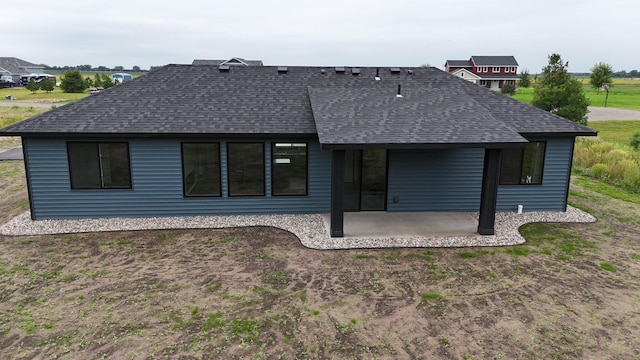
(424, 146)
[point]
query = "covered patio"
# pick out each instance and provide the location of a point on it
(405, 224)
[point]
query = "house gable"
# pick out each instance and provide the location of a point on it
(466, 74)
(15, 66)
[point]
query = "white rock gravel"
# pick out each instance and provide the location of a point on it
(310, 228)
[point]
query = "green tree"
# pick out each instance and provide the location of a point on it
(559, 93)
(524, 79)
(104, 80)
(33, 86)
(136, 68)
(72, 82)
(601, 74)
(47, 85)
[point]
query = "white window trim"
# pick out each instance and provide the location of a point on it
(496, 69)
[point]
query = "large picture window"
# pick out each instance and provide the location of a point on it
(245, 165)
(288, 169)
(523, 166)
(103, 165)
(201, 169)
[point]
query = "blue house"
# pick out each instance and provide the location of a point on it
(220, 140)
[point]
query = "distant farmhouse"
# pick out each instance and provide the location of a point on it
(16, 68)
(232, 61)
(489, 71)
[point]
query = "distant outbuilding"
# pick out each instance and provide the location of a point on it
(121, 77)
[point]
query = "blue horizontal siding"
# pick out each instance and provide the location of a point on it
(450, 180)
(435, 180)
(421, 180)
(156, 174)
(551, 194)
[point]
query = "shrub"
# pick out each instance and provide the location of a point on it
(508, 88)
(33, 86)
(632, 177)
(599, 171)
(47, 85)
(635, 140)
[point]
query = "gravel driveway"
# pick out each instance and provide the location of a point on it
(601, 113)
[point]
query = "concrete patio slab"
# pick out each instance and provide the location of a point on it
(406, 224)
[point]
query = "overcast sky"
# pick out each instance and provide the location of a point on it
(329, 32)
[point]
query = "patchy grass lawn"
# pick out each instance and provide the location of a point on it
(57, 96)
(572, 291)
(14, 114)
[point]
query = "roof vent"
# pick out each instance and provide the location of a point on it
(223, 68)
(377, 78)
(339, 69)
(394, 70)
(282, 69)
(410, 72)
(323, 71)
(399, 94)
(355, 71)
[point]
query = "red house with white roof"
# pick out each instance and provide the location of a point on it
(489, 71)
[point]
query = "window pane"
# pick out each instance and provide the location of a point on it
(510, 168)
(246, 168)
(532, 163)
(201, 169)
(114, 161)
(84, 168)
(289, 169)
(523, 166)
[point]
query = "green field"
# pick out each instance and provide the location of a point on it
(625, 94)
(53, 97)
(619, 131)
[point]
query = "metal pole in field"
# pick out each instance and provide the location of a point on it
(606, 88)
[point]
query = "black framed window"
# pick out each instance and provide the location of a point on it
(201, 169)
(245, 167)
(523, 166)
(288, 168)
(99, 165)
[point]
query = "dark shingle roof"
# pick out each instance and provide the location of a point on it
(350, 116)
(494, 60)
(459, 63)
(16, 66)
(183, 100)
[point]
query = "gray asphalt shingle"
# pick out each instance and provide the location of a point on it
(184, 100)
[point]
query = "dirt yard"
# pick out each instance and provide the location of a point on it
(571, 292)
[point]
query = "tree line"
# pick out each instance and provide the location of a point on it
(88, 67)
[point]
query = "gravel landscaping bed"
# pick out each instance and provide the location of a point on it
(310, 228)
